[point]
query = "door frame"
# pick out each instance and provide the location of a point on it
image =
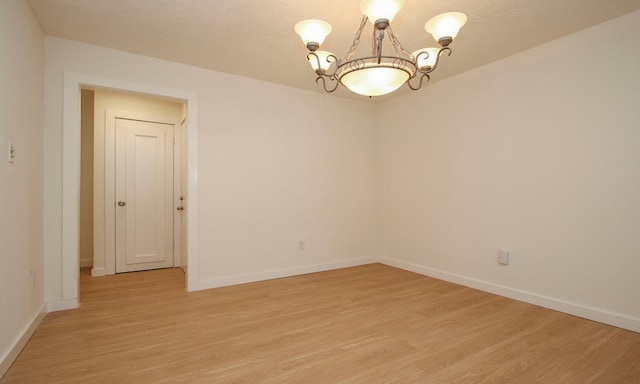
(179, 180)
(70, 224)
(110, 180)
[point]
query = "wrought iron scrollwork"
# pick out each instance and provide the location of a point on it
(330, 59)
(378, 74)
(322, 74)
(435, 65)
(324, 83)
(403, 60)
(356, 40)
(422, 77)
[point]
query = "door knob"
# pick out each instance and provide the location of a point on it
(180, 208)
(121, 203)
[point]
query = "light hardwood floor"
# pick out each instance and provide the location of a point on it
(368, 324)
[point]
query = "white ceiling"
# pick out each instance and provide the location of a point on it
(255, 38)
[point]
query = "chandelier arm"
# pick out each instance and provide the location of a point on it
(320, 72)
(324, 83)
(435, 65)
(335, 68)
(317, 58)
(420, 83)
(356, 40)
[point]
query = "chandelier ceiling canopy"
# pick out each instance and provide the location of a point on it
(378, 74)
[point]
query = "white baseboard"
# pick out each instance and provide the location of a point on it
(86, 263)
(62, 305)
(268, 275)
(23, 337)
(595, 314)
(99, 271)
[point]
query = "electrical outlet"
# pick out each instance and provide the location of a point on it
(301, 245)
(503, 257)
(33, 277)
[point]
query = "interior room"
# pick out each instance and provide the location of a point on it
(500, 196)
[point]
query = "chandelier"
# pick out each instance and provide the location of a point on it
(378, 74)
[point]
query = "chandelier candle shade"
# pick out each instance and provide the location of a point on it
(378, 74)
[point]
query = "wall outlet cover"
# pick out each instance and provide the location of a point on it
(503, 257)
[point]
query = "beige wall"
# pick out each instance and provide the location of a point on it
(21, 185)
(537, 154)
(151, 108)
(86, 178)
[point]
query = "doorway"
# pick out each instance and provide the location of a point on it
(68, 271)
(138, 190)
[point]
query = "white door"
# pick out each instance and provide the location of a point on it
(144, 195)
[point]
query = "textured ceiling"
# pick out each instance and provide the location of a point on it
(255, 38)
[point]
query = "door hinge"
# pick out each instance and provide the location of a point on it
(174, 244)
(174, 141)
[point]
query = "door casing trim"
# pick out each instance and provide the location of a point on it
(70, 222)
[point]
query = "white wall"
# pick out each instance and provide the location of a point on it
(276, 165)
(21, 188)
(537, 154)
(133, 105)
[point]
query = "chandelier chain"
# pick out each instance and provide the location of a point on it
(356, 40)
(374, 43)
(397, 46)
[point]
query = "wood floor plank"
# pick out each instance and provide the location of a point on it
(369, 324)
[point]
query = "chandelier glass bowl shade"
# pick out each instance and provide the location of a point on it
(378, 74)
(446, 25)
(313, 31)
(373, 79)
(376, 9)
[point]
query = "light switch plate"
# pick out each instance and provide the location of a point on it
(11, 153)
